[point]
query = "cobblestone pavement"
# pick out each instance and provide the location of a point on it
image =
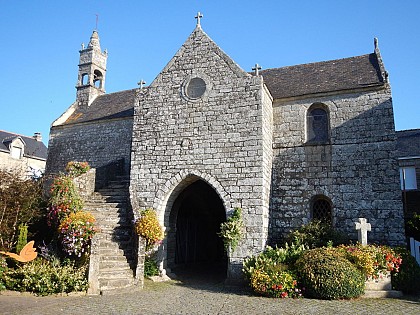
(189, 298)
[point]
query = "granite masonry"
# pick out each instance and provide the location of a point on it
(286, 145)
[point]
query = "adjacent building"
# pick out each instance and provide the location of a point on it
(22, 154)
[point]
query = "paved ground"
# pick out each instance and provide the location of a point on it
(196, 298)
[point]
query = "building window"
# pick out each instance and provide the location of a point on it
(321, 209)
(16, 152)
(84, 79)
(196, 88)
(97, 79)
(317, 123)
(408, 178)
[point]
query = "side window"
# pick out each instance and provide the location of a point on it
(321, 209)
(408, 178)
(317, 125)
(85, 79)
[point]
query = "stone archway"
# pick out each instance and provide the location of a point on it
(193, 244)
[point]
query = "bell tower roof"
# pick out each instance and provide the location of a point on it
(94, 40)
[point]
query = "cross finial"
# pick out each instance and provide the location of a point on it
(256, 69)
(141, 83)
(198, 17)
(97, 18)
(362, 228)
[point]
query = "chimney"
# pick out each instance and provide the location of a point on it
(37, 136)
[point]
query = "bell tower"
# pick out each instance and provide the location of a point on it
(92, 70)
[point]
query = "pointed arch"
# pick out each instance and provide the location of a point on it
(166, 196)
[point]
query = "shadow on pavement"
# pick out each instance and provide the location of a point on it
(208, 277)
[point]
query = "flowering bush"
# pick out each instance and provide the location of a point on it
(272, 283)
(148, 227)
(74, 168)
(268, 273)
(75, 233)
(372, 260)
(64, 199)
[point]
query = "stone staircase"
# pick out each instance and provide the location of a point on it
(113, 246)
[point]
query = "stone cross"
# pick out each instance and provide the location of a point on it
(141, 83)
(256, 69)
(362, 228)
(198, 17)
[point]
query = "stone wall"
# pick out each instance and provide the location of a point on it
(99, 143)
(222, 138)
(357, 170)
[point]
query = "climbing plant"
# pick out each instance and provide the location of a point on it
(231, 230)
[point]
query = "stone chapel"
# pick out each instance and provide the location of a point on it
(286, 145)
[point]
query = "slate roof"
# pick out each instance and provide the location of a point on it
(293, 81)
(106, 106)
(322, 77)
(408, 143)
(33, 148)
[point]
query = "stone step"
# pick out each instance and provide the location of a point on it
(104, 204)
(115, 265)
(111, 192)
(103, 244)
(115, 252)
(113, 220)
(117, 283)
(110, 270)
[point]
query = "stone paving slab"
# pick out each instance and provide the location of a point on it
(178, 298)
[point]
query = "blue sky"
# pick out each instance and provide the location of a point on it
(40, 42)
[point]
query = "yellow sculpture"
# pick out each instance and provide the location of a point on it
(27, 253)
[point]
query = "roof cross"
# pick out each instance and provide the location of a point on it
(141, 83)
(198, 17)
(256, 69)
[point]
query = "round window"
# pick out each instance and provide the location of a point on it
(196, 88)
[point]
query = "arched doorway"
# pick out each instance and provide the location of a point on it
(195, 219)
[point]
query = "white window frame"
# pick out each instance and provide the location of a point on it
(16, 152)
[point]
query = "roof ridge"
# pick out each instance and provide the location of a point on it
(317, 62)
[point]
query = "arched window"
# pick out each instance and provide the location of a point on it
(317, 124)
(85, 79)
(321, 209)
(97, 79)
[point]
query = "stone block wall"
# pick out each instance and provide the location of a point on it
(99, 143)
(357, 170)
(222, 138)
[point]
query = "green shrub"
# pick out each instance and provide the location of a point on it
(150, 267)
(326, 274)
(268, 273)
(317, 234)
(22, 238)
(21, 202)
(43, 277)
(408, 277)
(231, 230)
(3, 269)
(272, 256)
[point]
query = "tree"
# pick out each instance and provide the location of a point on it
(21, 202)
